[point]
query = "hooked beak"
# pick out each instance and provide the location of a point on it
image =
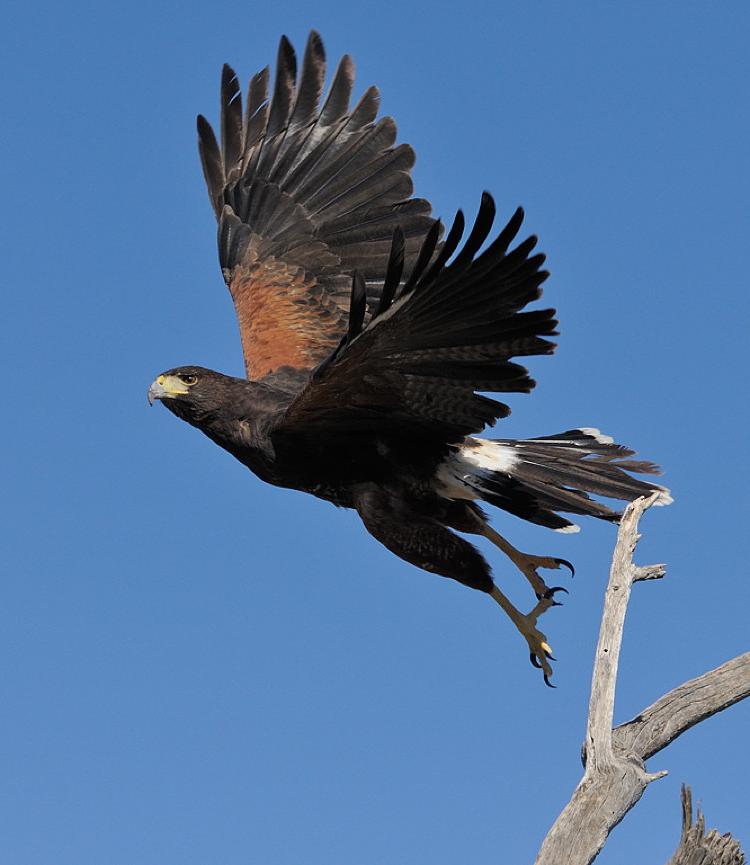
(155, 391)
(165, 387)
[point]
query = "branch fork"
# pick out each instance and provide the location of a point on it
(615, 776)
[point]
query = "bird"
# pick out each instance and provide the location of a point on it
(372, 337)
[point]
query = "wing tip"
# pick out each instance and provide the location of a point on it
(315, 43)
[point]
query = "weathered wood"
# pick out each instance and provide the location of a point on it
(613, 781)
(698, 848)
(684, 707)
(615, 776)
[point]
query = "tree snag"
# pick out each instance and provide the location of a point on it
(615, 776)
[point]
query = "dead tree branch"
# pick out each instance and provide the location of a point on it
(698, 848)
(684, 707)
(615, 776)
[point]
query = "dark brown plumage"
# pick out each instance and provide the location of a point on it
(368, 341)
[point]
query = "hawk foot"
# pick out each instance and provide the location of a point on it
(526, 563)
(540, 651)
(529, 564)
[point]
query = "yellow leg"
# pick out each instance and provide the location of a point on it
(540, 650)
(528, 564)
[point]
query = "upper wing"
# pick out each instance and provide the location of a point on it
(304, 195)
(449, 332)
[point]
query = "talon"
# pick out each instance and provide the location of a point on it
(540, 651)
(541, 663)
(549, 595)
(567, 565)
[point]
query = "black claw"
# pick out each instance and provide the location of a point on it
(535, 663)
(567, 565)
(550, 594)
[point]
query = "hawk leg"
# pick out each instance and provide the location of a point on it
(528, 564)
(540, 651)
(430, 545)
(421, 540)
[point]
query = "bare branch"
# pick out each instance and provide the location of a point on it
(684, 707)
(604, 680)
(698, 848)
(612, 782)
(615, 776)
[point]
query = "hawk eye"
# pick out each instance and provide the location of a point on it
(188, 379)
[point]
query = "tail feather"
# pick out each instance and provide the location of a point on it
(537, 478)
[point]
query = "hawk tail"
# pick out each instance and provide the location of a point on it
(537, 478)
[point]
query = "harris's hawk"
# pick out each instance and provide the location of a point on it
(369, 338)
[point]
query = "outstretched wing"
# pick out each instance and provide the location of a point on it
(303, 196)
(432, 344)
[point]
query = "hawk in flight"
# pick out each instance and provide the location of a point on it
(370, 338)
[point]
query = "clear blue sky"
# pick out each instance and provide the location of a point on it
(199, 669)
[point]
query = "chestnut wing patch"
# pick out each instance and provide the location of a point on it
(286, 318)
(306, 191)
